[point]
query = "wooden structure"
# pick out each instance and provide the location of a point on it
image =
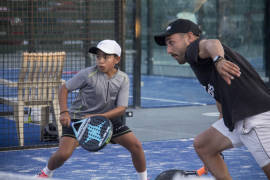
(37, 86)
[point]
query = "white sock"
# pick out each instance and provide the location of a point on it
(47, 171)
(142, 175)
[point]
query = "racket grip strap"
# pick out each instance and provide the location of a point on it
(201, 171)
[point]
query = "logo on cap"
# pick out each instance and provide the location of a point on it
(168, 28)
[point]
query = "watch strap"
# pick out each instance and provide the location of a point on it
(217, 58)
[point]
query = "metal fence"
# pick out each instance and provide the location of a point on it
(48, 26)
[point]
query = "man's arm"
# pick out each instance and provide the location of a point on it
(219, 107)
(210, 48)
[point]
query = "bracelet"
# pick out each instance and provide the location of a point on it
(217, 59)
(64, 112)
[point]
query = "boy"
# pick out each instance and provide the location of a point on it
(103, 90)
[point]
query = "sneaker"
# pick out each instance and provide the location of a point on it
(42, 175)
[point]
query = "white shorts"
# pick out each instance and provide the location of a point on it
(252, 132)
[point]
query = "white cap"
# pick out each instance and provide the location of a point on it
(108, 47)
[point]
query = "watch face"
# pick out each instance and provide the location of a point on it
(216, 58)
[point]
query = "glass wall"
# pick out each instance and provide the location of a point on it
(237, 23)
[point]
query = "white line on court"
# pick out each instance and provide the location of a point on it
(212, 114)
(173, 101)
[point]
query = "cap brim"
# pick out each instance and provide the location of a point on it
(161, 39)
(93, 50)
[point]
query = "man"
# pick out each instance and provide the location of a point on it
(103, 90)
(243, 99)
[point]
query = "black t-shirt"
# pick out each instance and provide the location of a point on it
(246, 96)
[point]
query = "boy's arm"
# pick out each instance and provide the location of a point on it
(64, 114)
(211, 48)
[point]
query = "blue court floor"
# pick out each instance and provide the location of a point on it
(114, 162)
(166, 134)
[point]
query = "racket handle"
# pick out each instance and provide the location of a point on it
(201, 171)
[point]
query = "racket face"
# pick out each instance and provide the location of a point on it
(174, 174)
(96, 133)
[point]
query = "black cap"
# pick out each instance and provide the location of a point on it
(178, 26)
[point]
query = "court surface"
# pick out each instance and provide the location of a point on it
(175, 111)
(167, 135)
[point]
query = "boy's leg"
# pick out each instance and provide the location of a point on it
(133, 145)
(66, 147)
(124, 136)
(208, 146)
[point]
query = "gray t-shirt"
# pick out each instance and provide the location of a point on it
(97, 93)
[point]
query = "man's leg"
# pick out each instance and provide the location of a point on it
(133, 145)
(257, 143)
(208, 146)
(266, 170)
(256, 137)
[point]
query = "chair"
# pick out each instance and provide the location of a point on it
(38, 83)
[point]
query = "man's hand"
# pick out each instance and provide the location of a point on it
(227, 70)
(65, 119)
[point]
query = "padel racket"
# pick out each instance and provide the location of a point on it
(174, 174)
(93, 133)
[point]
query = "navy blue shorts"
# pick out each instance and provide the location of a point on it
(119, 128)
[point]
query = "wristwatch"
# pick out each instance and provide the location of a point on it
(217, 58)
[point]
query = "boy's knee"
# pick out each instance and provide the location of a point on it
(136, 147)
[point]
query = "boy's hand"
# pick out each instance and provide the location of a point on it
(65, 119)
